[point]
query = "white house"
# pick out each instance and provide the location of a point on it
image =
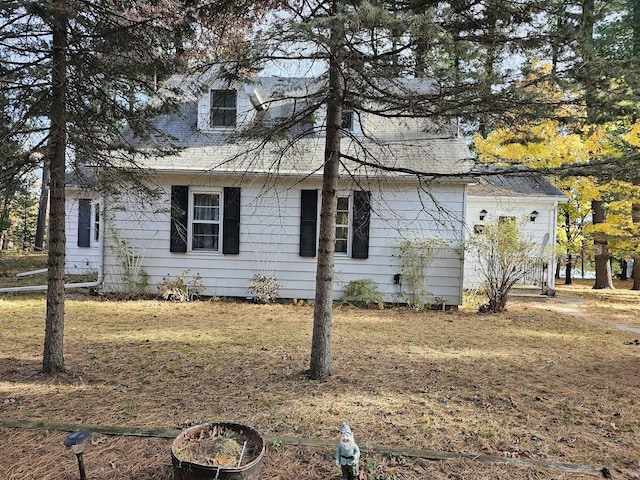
(529, 200)
(230, 208)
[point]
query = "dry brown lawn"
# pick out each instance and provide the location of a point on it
(553, 381)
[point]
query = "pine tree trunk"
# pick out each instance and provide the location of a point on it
(635, 273)
(623, 270)
(42, 209)
(601, 247)
(5, 214)
(53, 355)
(320, 364)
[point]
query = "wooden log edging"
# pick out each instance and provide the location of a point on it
(310, 442)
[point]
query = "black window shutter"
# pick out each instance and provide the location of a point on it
(84, 222)
(361, 217)
(231, 222)
(308, 223)
(179, 215)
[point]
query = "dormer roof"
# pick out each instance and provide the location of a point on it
(382, 146)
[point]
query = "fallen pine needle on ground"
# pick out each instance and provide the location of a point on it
(539, 382)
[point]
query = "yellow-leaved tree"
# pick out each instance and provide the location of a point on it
(631, 210)
(599, 210)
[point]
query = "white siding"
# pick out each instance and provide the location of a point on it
(542, 232)
(269, 239)
(81, 260)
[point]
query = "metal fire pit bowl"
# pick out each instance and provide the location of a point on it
(185, 470)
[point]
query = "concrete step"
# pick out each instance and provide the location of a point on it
(527, 293)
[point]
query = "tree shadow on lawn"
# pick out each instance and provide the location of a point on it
(16, 370)
(174, 387)
(553, 399)
(247, 380)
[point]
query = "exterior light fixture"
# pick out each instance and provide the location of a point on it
(483, 214)
(533, 215)
(77, 440)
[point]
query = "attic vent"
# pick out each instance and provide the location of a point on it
(256, 100)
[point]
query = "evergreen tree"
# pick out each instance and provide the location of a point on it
(438, 60)
(80, 70)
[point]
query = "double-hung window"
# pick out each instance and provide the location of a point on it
(205, 221)
(342, 225)
(223, 108)
(352, 224)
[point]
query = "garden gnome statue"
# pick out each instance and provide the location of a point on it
(347, 454)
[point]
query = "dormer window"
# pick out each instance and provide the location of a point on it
(223, 108)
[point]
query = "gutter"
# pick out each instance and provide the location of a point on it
(33, 272)
(33, 288)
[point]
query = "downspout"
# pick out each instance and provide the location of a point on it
(463, 240)
(95, 283)
(34, 288)
(551, 277)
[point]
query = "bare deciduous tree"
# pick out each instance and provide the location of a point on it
(503, 258)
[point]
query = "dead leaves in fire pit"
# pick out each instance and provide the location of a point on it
(216, 446)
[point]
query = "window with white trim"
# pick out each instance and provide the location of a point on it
(96, 222)
(352, 224)
(223, 108)
(205, 221)
(342, 225)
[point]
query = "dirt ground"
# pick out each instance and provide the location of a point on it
(527, 394)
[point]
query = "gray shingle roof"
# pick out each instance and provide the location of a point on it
(407, 148)
(434, 156)
(530, 184)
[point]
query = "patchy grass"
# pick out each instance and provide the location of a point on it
(13, 262)
(548, 381)
(620, 305)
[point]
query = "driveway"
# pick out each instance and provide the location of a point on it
(577, 307)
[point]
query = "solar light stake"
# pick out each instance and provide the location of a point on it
(76, 441)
